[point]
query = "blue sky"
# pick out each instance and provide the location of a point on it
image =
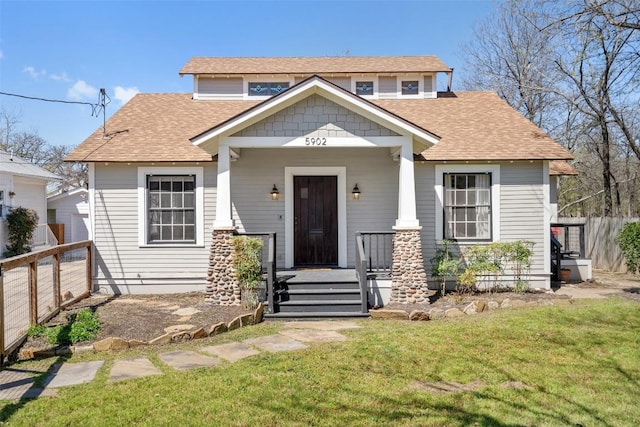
(69, 49)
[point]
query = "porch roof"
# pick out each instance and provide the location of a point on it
(471, 125)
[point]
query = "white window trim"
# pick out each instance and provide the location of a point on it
(143, 172)
(341, 173)
(247, 80)
(374, 79)
(494, 170)
(419, 78)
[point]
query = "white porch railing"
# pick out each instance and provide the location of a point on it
(43, 236)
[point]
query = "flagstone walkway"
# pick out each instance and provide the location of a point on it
(20, 384)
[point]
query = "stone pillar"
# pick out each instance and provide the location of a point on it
(222, 286)
(408, 278)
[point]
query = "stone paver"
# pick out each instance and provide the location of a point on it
(178, 328)
(323, 325)
(137, 367)
(73, 373)
(185, 360)
(232, 351)
(188, 311)
(308, 335)
(18, 384)
(275, 343)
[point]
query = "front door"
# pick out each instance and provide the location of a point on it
(315, 211)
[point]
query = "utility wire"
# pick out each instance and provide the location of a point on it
(95, 108)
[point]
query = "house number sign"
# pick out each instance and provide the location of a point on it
(311, 141)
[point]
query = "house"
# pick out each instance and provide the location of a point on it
(24, 184)
(315, 149)
(70, 209)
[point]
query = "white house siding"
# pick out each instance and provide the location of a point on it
(318, 116)
(257, 170)
(521, 211)
(125, 267)
(210, 88)
(66, 208)
(32, 194)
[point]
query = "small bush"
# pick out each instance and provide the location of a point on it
(248, 265)
(21, 223)
(629, 241)
(82, 326)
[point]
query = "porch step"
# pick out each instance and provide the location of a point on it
(332, 284)
(314, 294)
(316, 306)
(314, 315)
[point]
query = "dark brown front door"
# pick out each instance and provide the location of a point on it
(315, 211)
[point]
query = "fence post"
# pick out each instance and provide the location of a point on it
(89, 269)
(57, 297)
(33, 291)
(582, 247)
(1, 316)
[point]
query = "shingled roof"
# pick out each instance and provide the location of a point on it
(314, 65)
(472, 126)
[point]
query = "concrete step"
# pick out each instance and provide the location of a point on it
(333, 284)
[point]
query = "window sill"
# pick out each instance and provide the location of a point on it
(171, 245)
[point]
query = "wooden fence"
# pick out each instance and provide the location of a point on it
(600, 234)
(35, 286)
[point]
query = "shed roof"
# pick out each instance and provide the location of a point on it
(313, 65)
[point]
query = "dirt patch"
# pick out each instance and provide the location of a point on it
(144, 317)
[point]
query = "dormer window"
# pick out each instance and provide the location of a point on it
(267, 88)
(410, 87)
(364, 88)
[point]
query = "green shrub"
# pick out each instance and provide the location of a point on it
(629, 241)
(445, 263)
(85, 327)
(247, 262)
(21, 223)
(82, 326)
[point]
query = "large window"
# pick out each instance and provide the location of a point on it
(467, 206)
(171, 209)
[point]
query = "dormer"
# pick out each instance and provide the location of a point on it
(386, 77)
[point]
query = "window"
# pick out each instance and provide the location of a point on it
(364, 88)
(467, 206)
(171, 209)
(410, 87)
(267, 88)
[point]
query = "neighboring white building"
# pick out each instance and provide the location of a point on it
(23, 184)
(176, 174)
(71, 208)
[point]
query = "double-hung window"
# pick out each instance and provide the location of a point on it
(170, 206)
(467, 206)
(171, 209)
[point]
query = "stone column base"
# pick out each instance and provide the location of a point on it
(408, 278)
(222, 286)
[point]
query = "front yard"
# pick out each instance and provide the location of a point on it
(569, 365)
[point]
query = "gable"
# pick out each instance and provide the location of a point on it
(318, 116)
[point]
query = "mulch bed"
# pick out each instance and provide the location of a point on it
(144, 317)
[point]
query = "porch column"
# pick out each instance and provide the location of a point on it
(222, 286)
(408, 278)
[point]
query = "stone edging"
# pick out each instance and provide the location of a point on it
(472, 308)
(116, 343)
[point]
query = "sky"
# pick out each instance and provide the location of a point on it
(68, 50)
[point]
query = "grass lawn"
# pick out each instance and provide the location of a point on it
(580, 365)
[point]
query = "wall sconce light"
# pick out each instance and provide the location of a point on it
(11, 194)
(355, 192)
(275, 194)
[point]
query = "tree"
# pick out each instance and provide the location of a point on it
(34, 149)
(572, 68)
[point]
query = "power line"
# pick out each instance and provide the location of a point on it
(95, 108)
